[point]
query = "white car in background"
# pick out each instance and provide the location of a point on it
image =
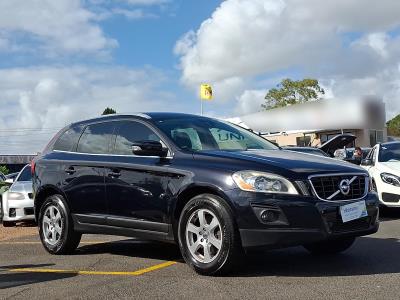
(383, 165)
(18, 200)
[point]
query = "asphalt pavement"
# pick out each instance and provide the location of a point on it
(105, 267)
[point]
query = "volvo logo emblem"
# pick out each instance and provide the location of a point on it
(344, 186)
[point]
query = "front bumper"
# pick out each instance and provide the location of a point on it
(302, 220)
(21, 210)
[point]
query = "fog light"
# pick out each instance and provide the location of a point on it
(269, 215)
(12, 213)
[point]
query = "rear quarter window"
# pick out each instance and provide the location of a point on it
(68, 140)
(96, 138)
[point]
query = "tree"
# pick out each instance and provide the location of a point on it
(109, 111)
(393, 126)
(4, 170)
(290, 92)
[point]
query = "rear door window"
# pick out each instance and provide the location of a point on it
(129, 132)
(96, 138)
(68, 140)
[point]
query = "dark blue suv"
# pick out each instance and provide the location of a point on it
(214, 188)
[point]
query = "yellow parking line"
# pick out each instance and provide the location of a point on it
(77, 272)
(36, 243)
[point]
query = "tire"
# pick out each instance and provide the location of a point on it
(56, 227)
(216, 247)
(9, 224)
(330, 247)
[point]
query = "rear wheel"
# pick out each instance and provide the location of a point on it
(208, 239)
(56, 227)
(331, 246)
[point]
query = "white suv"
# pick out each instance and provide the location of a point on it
(383, 165)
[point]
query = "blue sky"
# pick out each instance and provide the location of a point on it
(66, 60)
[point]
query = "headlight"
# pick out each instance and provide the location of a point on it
(15, 196)
(390, 179)
(254, 181)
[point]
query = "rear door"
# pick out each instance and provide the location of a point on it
(84, 173)
(137, 186)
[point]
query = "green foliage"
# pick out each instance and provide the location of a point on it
(290, 92)
(393, 126)
(4, 170)
(109, 111)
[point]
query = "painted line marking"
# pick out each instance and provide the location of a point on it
(84, 242)
(78, 272)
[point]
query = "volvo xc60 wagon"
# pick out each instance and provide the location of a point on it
(215, 189)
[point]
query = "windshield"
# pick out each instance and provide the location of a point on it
(389, 152)
(25, 174)
(197, 134)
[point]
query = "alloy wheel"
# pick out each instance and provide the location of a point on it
(204, 235)
(52, 225)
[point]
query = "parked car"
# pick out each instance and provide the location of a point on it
(328, 148)
(346, 154)
(308, 150)
(2, 177)
(3, 188)
(11, 177)
(18, 199)
(383, 165)
(211, 187)
(337, 142)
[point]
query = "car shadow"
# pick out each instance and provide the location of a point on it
(134, 248)
(15, 279)
(368, 256)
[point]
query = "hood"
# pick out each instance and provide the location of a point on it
(337, 142)
(392, 166)
(283, 162)
(21, 187)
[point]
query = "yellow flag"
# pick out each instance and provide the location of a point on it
(205, 92)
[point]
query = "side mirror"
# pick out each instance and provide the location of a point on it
(366, 162)
(149, 148)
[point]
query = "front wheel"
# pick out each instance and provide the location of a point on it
(208, 239)
(56, 227)
(331, 246)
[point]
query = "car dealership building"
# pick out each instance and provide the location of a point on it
(313, 123)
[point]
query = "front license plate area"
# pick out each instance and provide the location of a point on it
(353, 211)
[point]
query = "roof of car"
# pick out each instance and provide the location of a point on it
(390, 143)
(146, 115)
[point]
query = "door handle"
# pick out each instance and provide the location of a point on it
(70, 170)
(114, 174)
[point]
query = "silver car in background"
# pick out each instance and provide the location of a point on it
(18, 200)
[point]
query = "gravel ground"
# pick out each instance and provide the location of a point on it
(21, 230)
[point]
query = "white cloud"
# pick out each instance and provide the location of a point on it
(60, 26)
(250, 101)
(146, 2)
(50, 97)
(344, 40)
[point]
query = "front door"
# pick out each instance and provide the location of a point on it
(137, 186)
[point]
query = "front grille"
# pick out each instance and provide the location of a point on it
(328, 187)
(28, 211)
(339, 227)
(393, 198)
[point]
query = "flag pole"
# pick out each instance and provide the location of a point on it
(201, 106)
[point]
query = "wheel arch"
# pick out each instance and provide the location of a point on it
(191, 191)
(42, 195)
